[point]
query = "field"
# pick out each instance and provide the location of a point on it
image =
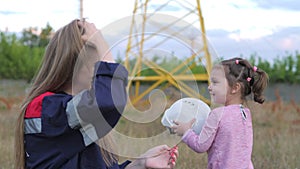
(276, 133)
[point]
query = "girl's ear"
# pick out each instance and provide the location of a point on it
(235, 88)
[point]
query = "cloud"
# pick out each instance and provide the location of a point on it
(247, 19)
(277, 4)
(168, 8)
(281, 42)
(288, 39)
(10, 13)
(267, 27)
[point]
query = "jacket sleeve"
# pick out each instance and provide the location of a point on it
(96, 111)
(202, 142)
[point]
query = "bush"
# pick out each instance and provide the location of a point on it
(18, 61)
(283, 69)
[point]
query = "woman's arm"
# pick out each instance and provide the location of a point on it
(157, 157)
(97, 110)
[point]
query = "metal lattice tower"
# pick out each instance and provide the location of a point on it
(151, 30)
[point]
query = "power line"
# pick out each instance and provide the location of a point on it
(81, 9)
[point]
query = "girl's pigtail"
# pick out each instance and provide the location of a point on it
(261, 80)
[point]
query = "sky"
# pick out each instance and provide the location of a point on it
(269, 28)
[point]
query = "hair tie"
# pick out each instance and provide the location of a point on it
(255, 68)
(237, 62)
(250, 80)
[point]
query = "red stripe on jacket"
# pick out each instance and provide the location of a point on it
(34, 108)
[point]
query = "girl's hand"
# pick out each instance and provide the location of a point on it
(161, 157)
(180, 127)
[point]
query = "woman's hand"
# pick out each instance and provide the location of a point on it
(180, 127)
(161, 157)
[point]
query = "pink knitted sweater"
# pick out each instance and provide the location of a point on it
(227, 137)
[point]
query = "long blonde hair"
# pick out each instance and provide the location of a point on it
(55, 74)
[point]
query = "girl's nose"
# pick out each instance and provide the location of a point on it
(209, 87)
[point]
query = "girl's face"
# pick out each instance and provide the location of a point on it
(218, 87)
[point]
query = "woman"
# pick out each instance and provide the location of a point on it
(76, 99)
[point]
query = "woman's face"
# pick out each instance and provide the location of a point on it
(218, 87)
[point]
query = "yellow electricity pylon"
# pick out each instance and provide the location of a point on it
(161, 28)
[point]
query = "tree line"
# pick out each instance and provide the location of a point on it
(21, 54)
(20, 57)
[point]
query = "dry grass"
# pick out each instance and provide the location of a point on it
(7, 123)
(276, 137)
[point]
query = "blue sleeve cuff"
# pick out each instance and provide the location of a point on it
(124, 164)
(115, 70)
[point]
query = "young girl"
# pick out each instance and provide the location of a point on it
(227, 135)
(76, 99)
